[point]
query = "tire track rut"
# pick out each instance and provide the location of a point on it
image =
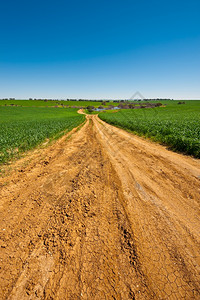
(102, 215)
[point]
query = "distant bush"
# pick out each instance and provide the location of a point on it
(90, 107)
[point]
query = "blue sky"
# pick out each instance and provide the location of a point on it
(100, 49)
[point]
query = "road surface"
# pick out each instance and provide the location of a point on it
(100, 214)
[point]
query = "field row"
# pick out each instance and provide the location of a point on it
(177, 126)
(22, 128)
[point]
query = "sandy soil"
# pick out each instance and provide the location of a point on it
(101, 214)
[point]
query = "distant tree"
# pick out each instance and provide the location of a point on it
(90, 107)
(121, 105)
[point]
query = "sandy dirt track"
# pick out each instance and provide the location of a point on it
(101, 214)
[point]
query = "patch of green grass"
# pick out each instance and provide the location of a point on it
(23, 128)
(177, 126)
(91, 112)
(50, 103)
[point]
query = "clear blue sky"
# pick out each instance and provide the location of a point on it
(100, 49)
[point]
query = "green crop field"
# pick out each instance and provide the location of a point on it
(22, 128)
(175, 125)
(49, 103)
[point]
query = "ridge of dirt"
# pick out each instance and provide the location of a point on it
(102, 215)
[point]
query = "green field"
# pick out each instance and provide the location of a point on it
(22, 128)
(49, 103)
(177, 126)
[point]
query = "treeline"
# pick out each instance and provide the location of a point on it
(100, 100)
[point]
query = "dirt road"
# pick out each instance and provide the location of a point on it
(101, 214)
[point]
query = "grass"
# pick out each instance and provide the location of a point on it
(23, 128)
(91, 112)
(49, 103)
(177, 126)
